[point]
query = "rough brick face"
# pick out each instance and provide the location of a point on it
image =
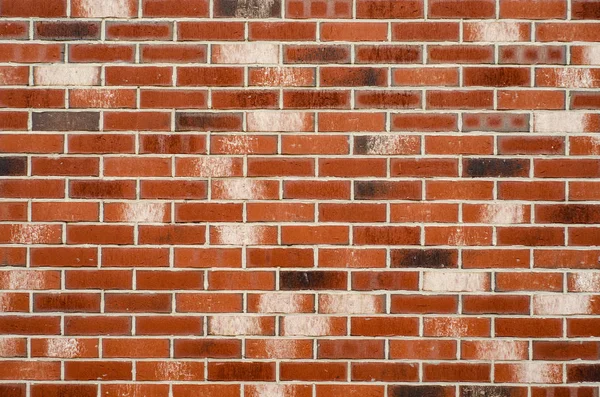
(299, 198)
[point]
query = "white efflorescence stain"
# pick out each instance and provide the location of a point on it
(5, 303)
(532, 372)
(280, 348)
(501, 350)
(503, 214)
(280, 303)
(561, 304)
(455, 282)
(238, 144)
(595, 144)
(241, 189)
(273, 390)
(105, 8)
(561, 122)
(62, 347)
(239, 234)
(31, 234)
(306, 325)
(214, 166)
(174, 370)
(246, 53)
(450, 327)
(66, 74)
(235, 325)
(458, 237)
(496, 31)
(23, 279)
(387, 144)
(9, 347)
(591, 55)
(7, 75)
(349, 304)
(143, 212)
(575, 78)
(283, 76)
(586, 282)
(129, 390)
(276, 122)
(101, 99)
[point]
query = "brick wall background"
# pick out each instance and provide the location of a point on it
(299, 198)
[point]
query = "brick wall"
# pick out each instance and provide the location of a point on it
(299, 198)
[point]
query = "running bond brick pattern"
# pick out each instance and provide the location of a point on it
(300, 198)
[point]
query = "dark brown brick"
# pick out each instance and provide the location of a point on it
(13, 166)
(381, 190)
(66, 121)
(494, 167)
(208, 122)
(583, 373)
(67, 30)
(572, 213)
(316, 280)
(427, 258)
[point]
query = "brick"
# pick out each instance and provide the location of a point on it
(366, 258)
(461, 9)
(554, 31)
(65, 121)
(460, 54)
(209, 30)
(281, 77)
(185, 8)
(31, 53)
(353, 31)
(365, 281)
(353, 77)
(138, 75)
(112, 8)
(496, 77)
(247, 371)
(282, 31)
(13, 30)
(553, 9)
(101, 52)
(459, 99)
(102, 98)
(175, 54)
(67, 30)
(316, 54)
(532, 55)
(28, 8)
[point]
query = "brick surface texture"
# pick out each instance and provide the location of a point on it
(299, 198)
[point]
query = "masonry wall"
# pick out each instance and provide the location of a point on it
(299, 198)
